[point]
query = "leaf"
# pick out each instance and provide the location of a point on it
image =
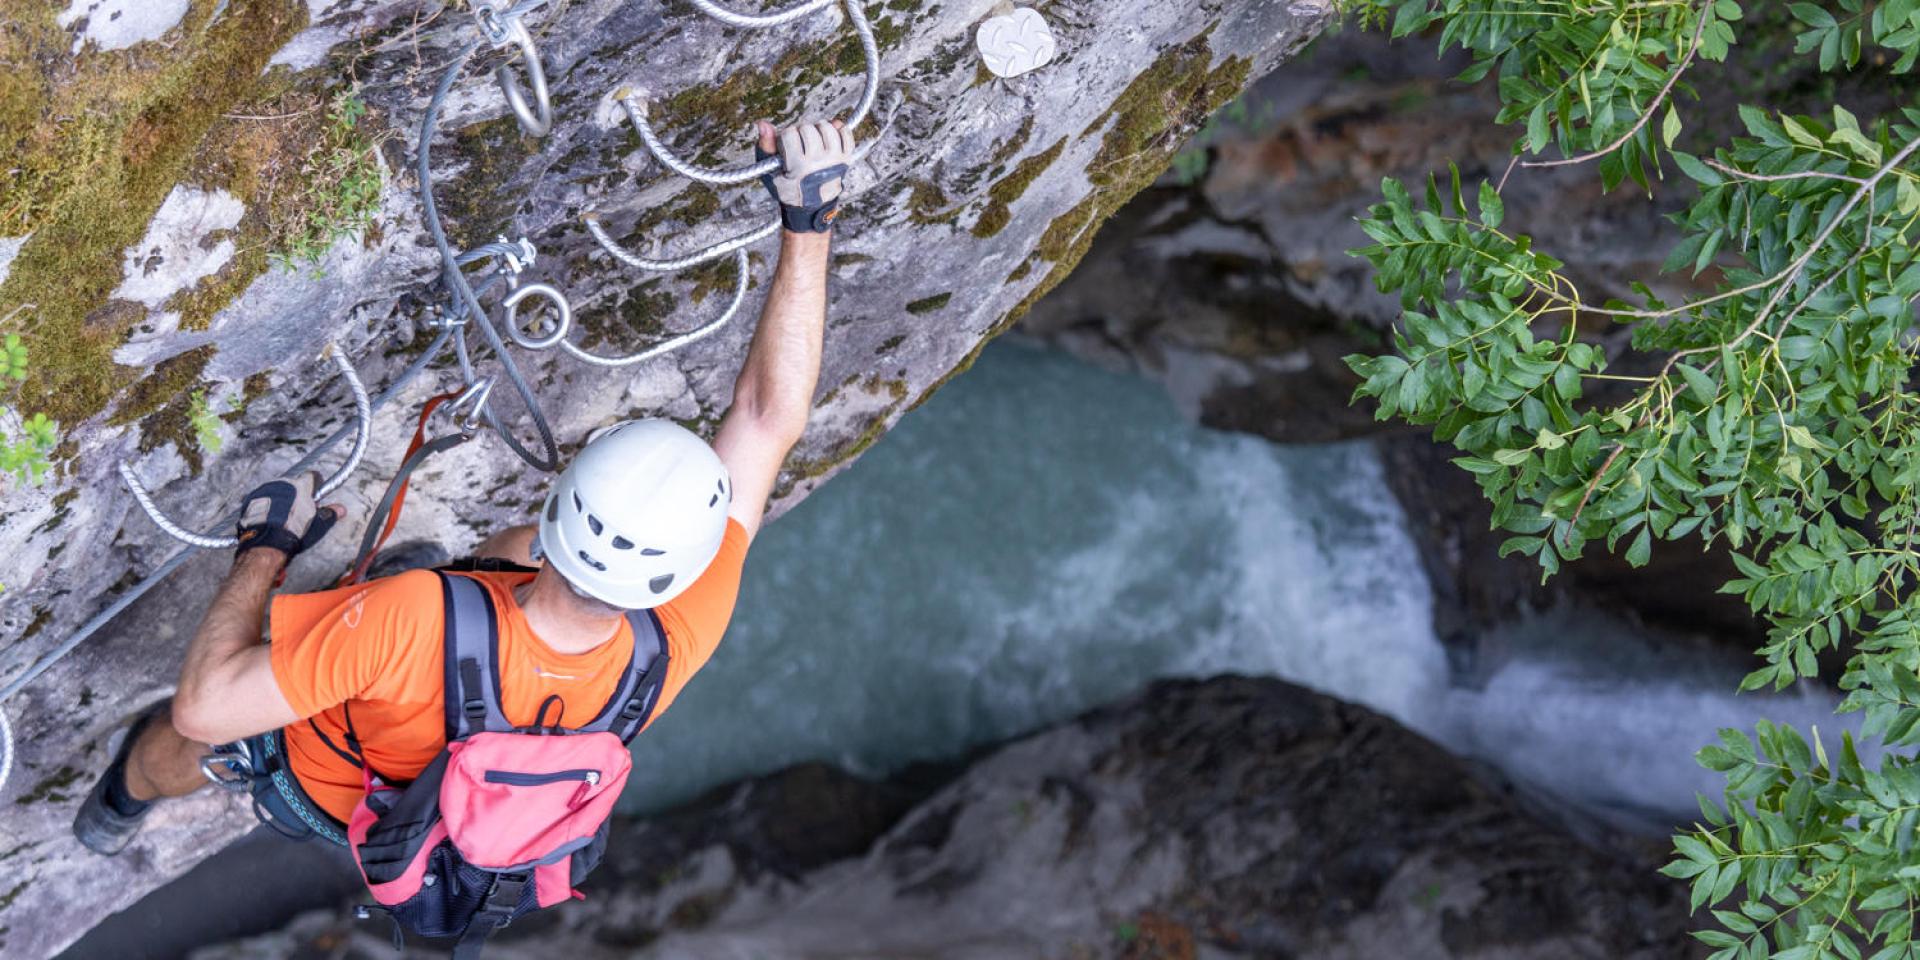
(1670, 127)
(1510, 458)
(1812, 15)
(1492, 209)
(1702, 386)
(1641, 549)
(1537, 131)
(1697, 170)
(1799, 132)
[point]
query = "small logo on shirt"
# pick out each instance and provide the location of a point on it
(542, 672)
(357, 608)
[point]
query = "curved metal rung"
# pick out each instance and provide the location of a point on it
(741, 267)
(363, 412)
(560, 306)
(637, 115)
(774, 19)
(714, 252)
(729, 245)
(537, 120)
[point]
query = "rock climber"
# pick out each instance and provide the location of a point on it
(647, 516)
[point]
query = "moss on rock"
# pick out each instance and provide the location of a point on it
(479, 204)
(929, 304)
(1144, 127)
(1004, 192)
(102, 148)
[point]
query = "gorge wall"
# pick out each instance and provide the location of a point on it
(159, 160)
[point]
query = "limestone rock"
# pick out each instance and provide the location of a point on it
(984, 195)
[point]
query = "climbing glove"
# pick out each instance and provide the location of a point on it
(280, 515)
(813, 159)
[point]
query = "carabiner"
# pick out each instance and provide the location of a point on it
(538, 121)
(560, 326)
(468, 410)
(238, 775)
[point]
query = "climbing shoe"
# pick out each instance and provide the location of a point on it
(109, 817)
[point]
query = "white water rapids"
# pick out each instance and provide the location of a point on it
(1044, 537)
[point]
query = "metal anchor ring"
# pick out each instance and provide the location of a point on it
(561, 326)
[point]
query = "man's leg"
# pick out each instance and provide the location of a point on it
(163, 763)
(154, 762)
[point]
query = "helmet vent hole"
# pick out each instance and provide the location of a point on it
(713, 500)
(651, 552)
(622, 543)
(578, 507)
(553, 509)
(588, 559)
(659, 583)
(593, 523)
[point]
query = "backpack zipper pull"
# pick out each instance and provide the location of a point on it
(587, 783)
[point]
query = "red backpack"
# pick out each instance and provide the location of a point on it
(506, 819)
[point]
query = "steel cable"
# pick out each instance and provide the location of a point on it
(456, 281)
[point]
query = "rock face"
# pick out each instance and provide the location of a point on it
(165, 156)
(1231, 286)
(1225, 818)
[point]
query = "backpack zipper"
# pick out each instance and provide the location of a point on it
(513, 779)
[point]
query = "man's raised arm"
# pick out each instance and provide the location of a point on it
(774, 394)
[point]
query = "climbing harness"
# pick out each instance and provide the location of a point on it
(497, 263)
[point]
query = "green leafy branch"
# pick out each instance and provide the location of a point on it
(1775, 415)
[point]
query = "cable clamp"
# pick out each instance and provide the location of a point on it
(522, 257)
(439, 318)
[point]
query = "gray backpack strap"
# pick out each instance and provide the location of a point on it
(472, 654)
(633, 700)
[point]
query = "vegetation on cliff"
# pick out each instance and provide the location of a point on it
(1777, 416)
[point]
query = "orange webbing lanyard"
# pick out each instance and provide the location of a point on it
(418, 449)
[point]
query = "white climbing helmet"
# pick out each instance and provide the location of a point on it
(638, 514)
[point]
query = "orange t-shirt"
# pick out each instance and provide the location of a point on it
(376, 648)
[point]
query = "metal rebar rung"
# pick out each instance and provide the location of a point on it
(363, 415)
(868, 92)
(731, 244)
(671, 265)
(741, 266)
(756, 22)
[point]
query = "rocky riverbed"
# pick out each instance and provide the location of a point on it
(1231, 817)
